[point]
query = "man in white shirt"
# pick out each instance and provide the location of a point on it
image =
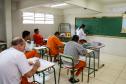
(80, 32)
(14, 65)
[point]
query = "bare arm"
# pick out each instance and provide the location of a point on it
(33, 70)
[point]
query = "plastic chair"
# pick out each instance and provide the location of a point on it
(68, 59)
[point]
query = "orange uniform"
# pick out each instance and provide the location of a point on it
(80, 66)
(53, 44)
(30, 54)
(38, 39)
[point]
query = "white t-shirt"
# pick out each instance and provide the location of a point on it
(81, 34)
(13, 65)
(29, 46)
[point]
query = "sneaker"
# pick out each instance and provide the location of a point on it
(73, 80)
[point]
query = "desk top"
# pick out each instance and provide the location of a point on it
(94, 45)
(43, 63)
(40, 47)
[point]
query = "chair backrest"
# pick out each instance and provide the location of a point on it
(67, 58)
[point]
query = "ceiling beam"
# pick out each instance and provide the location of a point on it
(95, 5)
(33, 3)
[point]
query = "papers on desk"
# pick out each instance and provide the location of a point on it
(89, 50)
(33, 60)
(93, 45)
(40, 47)
(45, 64)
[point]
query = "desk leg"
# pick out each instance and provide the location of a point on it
(98, 50)
(33, 78)
(43, 77)
(89, 68)
(54, 74)
(94, 63)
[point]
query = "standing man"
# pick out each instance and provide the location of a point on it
(14, 65)
(54, 44)
(38, 39)
(74, 49)
(80, 32)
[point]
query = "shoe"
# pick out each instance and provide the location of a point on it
(72, 80)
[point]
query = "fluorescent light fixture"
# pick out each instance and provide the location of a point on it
(57, 5)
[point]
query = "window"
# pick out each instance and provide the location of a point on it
(37, 18)
(28, 18)
(49, 19)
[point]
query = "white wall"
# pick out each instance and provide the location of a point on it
(8, 22)
(45, 29)
(113, 45)
(2, 22)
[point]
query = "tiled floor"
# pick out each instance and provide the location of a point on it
(114, 72)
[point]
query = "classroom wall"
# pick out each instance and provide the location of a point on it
(45, 29)
(113, 45)
(2, 21)
(70, 14)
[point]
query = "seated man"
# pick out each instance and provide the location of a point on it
(38, 39)
(54, 44)
(29, 46)
(14, 64)
(29, 53)
(74, 49)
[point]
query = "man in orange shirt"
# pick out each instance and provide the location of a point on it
(29, 52)
(38, 39)
(54, 44)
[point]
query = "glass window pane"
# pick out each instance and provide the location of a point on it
(39, 22)
(39, 15)
(49, 16)
(31, 18)
(39, 18)
(49, 19)
(28, 14)
(28, 21)
(49, 22)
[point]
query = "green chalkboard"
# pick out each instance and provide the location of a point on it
(110, 26)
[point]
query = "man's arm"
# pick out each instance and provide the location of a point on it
(81, 49)
(33, 70)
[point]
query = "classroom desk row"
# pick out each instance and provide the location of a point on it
(91, 49)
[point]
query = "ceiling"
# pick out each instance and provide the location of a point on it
(48, 3)
(113, 1)
(103, 1)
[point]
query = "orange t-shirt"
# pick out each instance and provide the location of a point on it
(38, 39)
(53, 44)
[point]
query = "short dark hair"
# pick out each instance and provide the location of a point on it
(25, 33)
(17, 40)
(36, 30)
(56, 33)
(75, 38)
(82, 26)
